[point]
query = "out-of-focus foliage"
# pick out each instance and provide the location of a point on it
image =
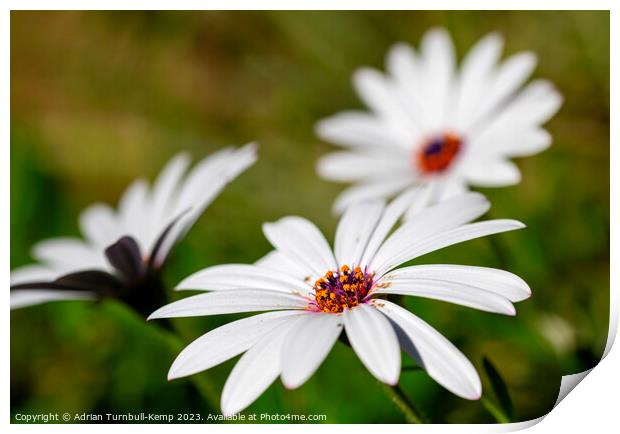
(100, 98)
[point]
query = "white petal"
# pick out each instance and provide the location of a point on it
(516, 142)
(452, 292)
(536, 103)
(242, 276)
(354, 231)
(438, 56)
(531, 107)
(384, 98)
(493, 173)
(302, 241)
(201, 186)
(529, 143)
(448, 214)
(410, 78)
(442, 360)
(508, 78)
(427, 194)
(165, 186)
(392, 213)
(226, 342)
(350, 166)
(361, 130)
(447, 238)
(26, 297)
(376, 189)
(465, 233)
(255, 371)
(68, 254)
(134, 213)
(194, 190)
(207, 179)
(494, 280)
(164, 193)
(33, 273)
(374, 341)
(178, 228)
(278, 261)
(231, 301)
(100, 225)
(476, 73)
(307, 345)
(450, 188)
(431, 221)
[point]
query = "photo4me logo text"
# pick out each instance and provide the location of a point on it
(43, 418)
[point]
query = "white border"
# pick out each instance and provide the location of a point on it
(592, 406)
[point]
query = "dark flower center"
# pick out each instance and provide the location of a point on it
(344, 288)
(134, 281)
(438, 153)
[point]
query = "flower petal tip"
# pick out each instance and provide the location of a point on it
(175, 372)
(226, 412)
(518, 225)
(183, 285)
(436, 31)
(155, 315)
(320, 127)
(289, 384)
(507, 308)
(363, 74)
(253, 146)
(392, 381)
(474, 392)
(512, 311)
(495, 36)
(474, 397)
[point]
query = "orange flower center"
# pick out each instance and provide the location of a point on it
(437, 154)
(344, 288)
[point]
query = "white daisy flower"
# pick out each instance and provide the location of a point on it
(438, 128)
(314, 293)
(123, 250)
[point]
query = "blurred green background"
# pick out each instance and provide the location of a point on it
(100, 98)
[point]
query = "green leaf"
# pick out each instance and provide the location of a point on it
(500, 390)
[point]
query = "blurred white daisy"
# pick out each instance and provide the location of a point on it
(123, 250)
(438, 128)
(315, 293)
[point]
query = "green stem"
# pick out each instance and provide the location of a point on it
(404, 404)
(494, 410)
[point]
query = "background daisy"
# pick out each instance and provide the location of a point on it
(124, 250)
(436, 127)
